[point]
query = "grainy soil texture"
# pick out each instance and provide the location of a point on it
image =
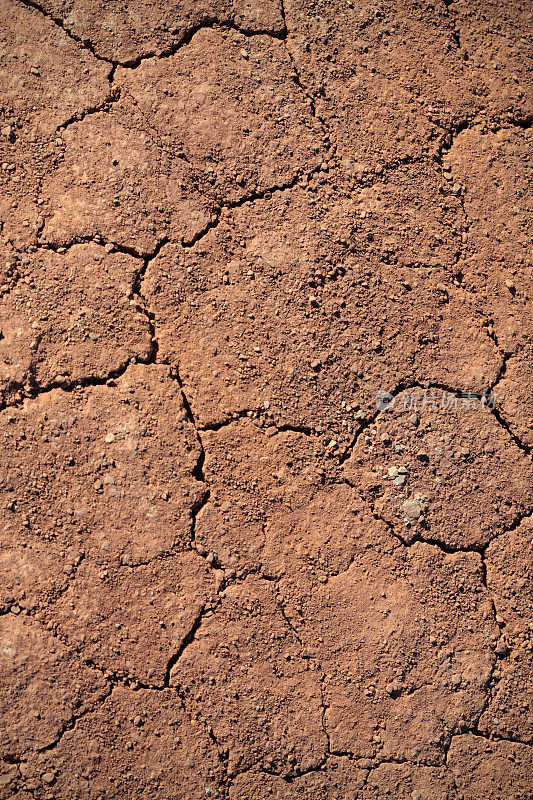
(266, 349)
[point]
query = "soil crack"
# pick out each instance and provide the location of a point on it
(209, 22)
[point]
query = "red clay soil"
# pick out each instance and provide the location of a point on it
(266, 350)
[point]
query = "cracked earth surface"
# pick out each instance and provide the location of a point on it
(266, 349)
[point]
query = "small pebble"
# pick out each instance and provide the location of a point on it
(502, 648)
(411, 509)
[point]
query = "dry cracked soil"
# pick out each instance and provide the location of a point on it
(266, 350)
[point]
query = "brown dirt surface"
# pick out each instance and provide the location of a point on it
(266, 357)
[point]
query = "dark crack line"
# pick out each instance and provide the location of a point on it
(508, 356)
(68, 384)
(259, 414)
(305, 91)
(493, 737)
(368, 421)
(195, 718)
(64, 247)
(319, 672)
(323, 715)
(473, 731)
(286, 618)
(84, 43)
(506, 426)
(243, 413)
(105, 105)
(408, 383)
(524, 122)
(480, 550)
(130, 681)
(249, 198)
(137, 294)
(68, 726)
(208, 22)
(185, 642)
(198, 473)
(422, 538)
(287, 779)
(456, 32)
(91, 708)
(446, 144)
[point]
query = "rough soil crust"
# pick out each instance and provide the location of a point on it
(266, 351)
